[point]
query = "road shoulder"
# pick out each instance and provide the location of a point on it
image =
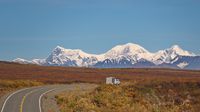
(49, 103)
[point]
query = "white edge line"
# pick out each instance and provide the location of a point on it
(42, 96)
(11, 96)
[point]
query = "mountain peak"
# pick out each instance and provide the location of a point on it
(59, 48)
(178, 50)
(132, 44)
(170, 55)
(21, 61)
(128, 50)
(128, 47)
(176, 47)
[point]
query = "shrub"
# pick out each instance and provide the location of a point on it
(151, 97)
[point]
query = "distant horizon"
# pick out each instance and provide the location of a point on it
(32, 28)
(74, 48)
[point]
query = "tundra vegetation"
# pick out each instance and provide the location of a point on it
(10, 85)
(149, 89)
(153, 96)
(52, 74)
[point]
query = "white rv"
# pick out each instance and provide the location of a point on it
(112, 80)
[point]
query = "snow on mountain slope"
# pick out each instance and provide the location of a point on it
(22, 61)
(188, 62)
(170, 55)
(38, 61)
(128, 55)
(132, 52)
(34, 61)
(182, 65)
(61, 56)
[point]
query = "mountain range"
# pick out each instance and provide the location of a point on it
(121, 56)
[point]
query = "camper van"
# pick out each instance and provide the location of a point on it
(112, 80)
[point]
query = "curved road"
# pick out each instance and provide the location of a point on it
(27, 100)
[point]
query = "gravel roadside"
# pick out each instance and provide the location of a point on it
(49, 103)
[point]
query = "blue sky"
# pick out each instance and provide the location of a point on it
(32, 28)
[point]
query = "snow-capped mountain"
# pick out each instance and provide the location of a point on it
(22, 61)
(34, 61)
(120, 56)
(68, 57)
(131, 52)
(170, 55)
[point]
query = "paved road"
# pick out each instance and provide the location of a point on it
(27, 100)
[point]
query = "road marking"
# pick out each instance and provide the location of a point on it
(11, 96)
(42, 96)
(24, 97)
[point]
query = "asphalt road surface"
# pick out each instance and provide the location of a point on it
(27, 100)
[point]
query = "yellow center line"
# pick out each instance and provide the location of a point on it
(21, 106)
(23, 100)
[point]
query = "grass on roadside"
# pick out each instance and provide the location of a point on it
(9, 85)
(134, 97)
